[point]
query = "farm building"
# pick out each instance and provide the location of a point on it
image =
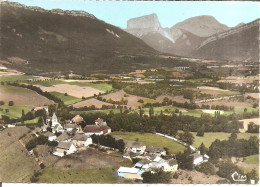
(65, 148)
(80, 140)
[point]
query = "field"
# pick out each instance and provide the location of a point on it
(14, 111)
(254, 95)
(132, 99)
(22, 96)
(73, 90)
(240, 80)
(56, 175)
(68, 100)
(210, 137)
(82, 83)
(227, 103)
(253, 159)
(168, 110)
(216, 91)
(14, 78)
(35, 120)
(151, 140)
(90, 102)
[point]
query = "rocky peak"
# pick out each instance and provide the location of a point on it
(144, 24)
(202, 26)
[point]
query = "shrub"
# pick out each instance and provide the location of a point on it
(10, 103)
(207, 168)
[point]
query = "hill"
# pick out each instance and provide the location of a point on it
(240, 43)
(34, 40)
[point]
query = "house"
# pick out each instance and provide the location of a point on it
(96, 129)
(80, 140)
(155, 151)
(135, 147)
(50, 136)
(129, 173)
(167, 165)
(71, 126)
(172, 165)
(197, 158)
(64, 137)
(57, 128)
(65, 148)
(77, 119)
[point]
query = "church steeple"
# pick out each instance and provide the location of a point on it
(54, 119)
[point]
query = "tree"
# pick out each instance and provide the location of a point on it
(185, 160)
(252, 175)
(40, 121)
(10, 103)
(187, 137)
(245, 109)
(120, 145)
(201, 131)
(66, 94)
(158, 176)
(207, 167)
(203, 150)
(2, 103)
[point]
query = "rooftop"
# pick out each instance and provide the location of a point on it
(153, 149)
(63, 136)
(77, 119)
(64, 145)
(128, 170)
(130, 143)
(80, 137)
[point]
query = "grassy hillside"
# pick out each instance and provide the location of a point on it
(16, 164)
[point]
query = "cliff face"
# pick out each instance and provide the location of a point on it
(202, 26)
(143, 25)
(175, 40)
(240, 43)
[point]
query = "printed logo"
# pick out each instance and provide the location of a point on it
(238, 177)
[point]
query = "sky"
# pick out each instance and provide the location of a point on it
(169, 13)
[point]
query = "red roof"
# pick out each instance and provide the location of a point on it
(92, 128)
(96, 128)
(105, 129)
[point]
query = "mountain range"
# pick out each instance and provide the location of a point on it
(185, 38)
(34, 40)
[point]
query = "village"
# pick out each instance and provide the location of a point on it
(71, 138)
